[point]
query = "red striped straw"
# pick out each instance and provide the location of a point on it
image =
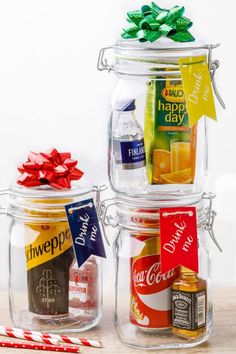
(39, 346)
(61, 338)
(4, 331)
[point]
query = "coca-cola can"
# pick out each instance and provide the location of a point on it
(150, 289)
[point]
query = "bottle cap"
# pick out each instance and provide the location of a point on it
(186, 270)
(127, 105)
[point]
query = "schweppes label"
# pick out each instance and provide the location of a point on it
(45, 242)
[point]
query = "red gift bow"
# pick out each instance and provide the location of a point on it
(53, 168)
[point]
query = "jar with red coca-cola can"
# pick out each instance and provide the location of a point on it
(143, 292)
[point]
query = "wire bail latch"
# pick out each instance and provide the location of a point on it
(210, 218)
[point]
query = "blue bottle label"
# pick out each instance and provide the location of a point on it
(132, 154)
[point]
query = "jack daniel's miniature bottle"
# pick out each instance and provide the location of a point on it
(189, 305)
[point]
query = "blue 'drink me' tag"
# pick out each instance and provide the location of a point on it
(85, 230)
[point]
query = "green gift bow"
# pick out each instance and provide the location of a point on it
(151, 22)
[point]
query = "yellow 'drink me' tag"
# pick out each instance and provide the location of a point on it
(197, 88)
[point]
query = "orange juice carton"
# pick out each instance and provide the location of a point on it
(170, 143)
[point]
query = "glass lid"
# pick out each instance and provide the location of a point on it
(80, 187)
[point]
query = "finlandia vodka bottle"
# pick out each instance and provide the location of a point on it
(128, 148)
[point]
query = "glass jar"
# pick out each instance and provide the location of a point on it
(47, 290)
(152, 148)
(155, 310)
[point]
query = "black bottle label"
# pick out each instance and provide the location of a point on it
(188, 309)
(49, 254)
(48, 286)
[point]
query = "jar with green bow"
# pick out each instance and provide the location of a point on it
(159, 146)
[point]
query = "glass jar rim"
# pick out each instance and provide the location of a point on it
(45, 192)
(44, 203)
(157, 200)
(139, 216)
(155, 60)
(162, 44)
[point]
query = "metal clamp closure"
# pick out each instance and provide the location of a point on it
(210, 218)
(98, 190)
(215, 64)
(107, 220)
(3, 192)
(103, 64)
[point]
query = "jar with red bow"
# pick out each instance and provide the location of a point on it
(42, 257)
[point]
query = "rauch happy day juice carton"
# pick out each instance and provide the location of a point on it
(169, 141)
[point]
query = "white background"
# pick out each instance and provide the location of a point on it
(52, 95)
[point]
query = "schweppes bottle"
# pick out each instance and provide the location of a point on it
(49, 254)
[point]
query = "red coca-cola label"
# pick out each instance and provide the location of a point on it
(151, 292)
(147, 275)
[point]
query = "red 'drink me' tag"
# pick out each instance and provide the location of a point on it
(178, 236)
